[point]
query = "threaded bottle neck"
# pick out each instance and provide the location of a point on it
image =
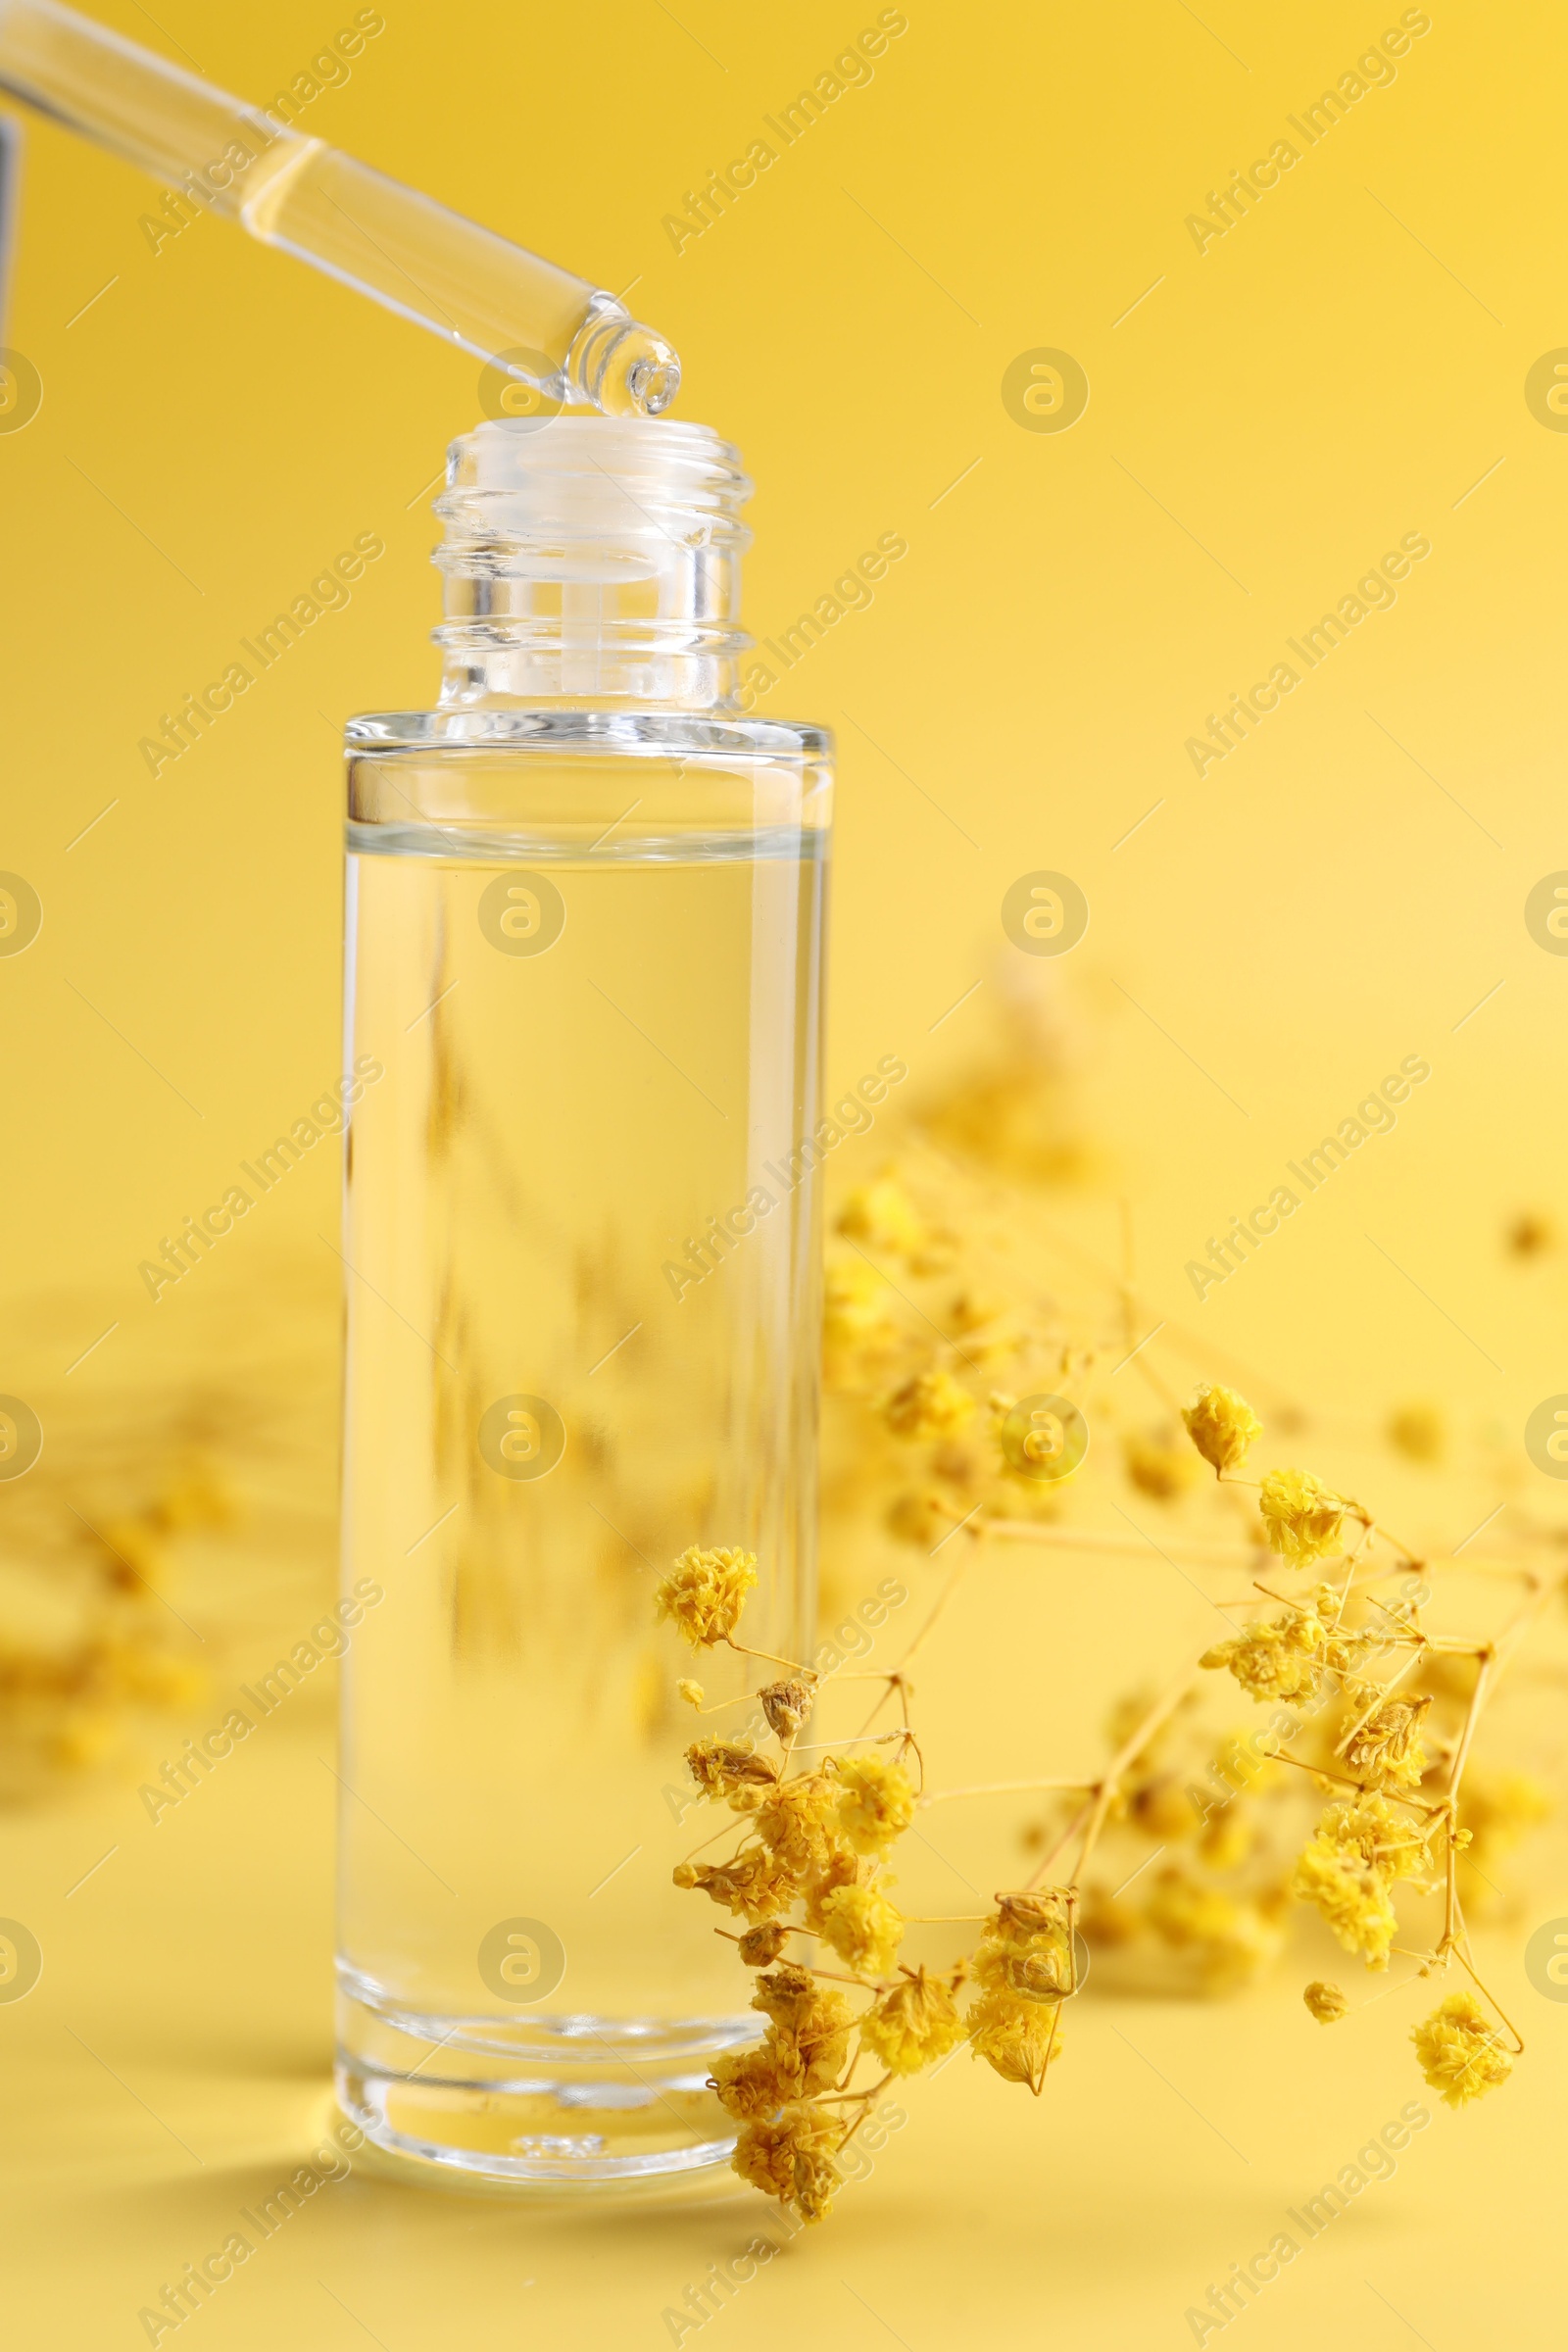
(592, 560)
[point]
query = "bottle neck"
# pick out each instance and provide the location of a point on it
(592, 560)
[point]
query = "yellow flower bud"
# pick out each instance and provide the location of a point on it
(1461, 2052)
(704, 1592)
(1222, 1425)
(1302, 1518)
(1326, 2002)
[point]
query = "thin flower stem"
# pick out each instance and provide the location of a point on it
(771, 1657)
(1302, 1608)
(940, 1796)
(833, 1975)
(1404, 1619)
(1478, 1699)
(891, 1683)
(1074, 1539)
(864, 2112)
(812, 1748)
(1051, 2048)
(722, 1831)
(937, 1919)
(1109, 1790)
(1461, 1935)
(1283, 1755)
(1542, 1590)
(948, 1588)
(1518, 2037)
(1413, 1560)
(1079, 1820)
(1091, 1817)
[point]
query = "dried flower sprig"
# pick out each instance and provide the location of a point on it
(815, 1837)
(101, 1645)
(810, 1862)
(941, 1320)
(1386, 1709)
(1391, 1827)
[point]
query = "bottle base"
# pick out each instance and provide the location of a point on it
(570, 2104)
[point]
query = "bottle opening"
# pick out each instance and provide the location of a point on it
(592, 554)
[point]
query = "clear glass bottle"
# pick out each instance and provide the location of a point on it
(585, 905)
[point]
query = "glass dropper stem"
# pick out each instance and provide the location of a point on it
(523, 315)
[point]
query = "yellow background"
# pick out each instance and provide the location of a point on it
(1343, 367)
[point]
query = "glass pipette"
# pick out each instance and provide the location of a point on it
(532, 320)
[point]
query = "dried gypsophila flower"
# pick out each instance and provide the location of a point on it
(1380, 1838)
(969, 1311)
(1500, 1807)
(802, 2052)
(1417, 1431)
(864, 1927)
(787, 1705)
(839, 1866)
(1221, 1940)
(912, 2025)
(882, 1214)
(1227, 1839)
(919, 1518)
(809, 2025)
(1222, 1425)
(1018, 2039)
(725, 1767)
(748, 2084)
(1461, 2052)
(1302, 1518)
(877, 1805)
(754, 1887)
(759, 1947)
(1387, 1745)
(1326, 2002)
(1026, 1950)
(796, 1821)
(931, 1404)
(1354, 1900)
(794, 2158)
(1158, 1465)
(855, 1307)
(1273, 1659)
(705, 1592)
(1289, 1657)
(790, 1995)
